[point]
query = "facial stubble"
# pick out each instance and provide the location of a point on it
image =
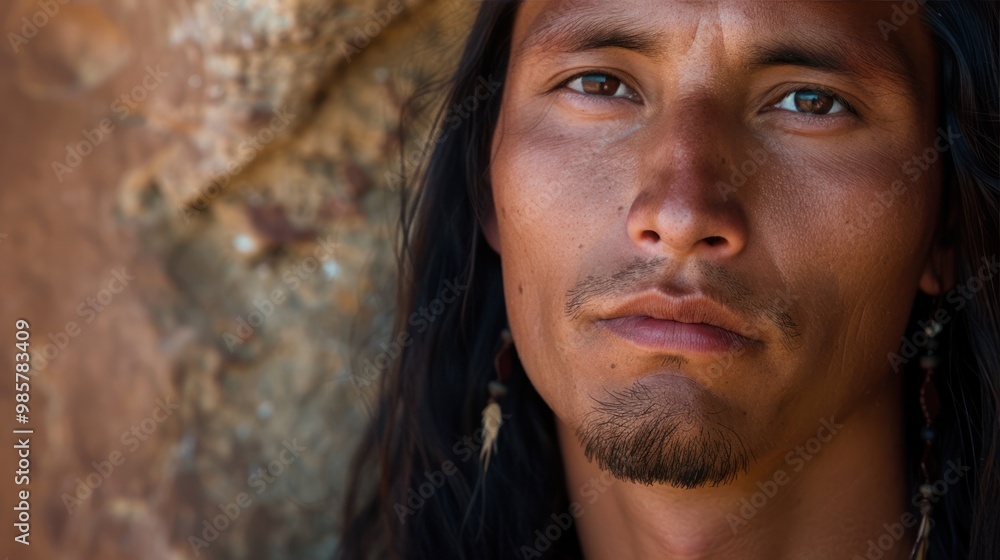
(664, 432)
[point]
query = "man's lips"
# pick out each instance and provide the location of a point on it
(664, 324)
(665, 335)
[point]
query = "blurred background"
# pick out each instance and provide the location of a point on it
(197, 217)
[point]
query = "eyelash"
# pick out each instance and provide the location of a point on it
(638, 99)
(777, 98)
(603, 98)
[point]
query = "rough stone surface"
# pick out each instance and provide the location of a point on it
(230, 164)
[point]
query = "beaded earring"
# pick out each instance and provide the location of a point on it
(929, 406)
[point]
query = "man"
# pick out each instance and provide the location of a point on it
(740, 247)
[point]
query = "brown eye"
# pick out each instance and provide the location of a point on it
(600, 84)
(597, 83)
(812, 102)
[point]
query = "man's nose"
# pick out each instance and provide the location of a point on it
(682, 206)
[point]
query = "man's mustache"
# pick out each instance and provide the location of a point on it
(716, 283)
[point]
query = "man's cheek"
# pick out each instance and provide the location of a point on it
(554, 210)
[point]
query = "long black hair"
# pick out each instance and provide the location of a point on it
(417, 489)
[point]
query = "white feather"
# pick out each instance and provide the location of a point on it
(491, 427)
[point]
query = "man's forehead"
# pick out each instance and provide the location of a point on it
(840, 35)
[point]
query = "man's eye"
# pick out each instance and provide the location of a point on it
(812, 102)
(596, 83)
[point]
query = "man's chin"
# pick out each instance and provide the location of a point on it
(709, 461)
(664, 429)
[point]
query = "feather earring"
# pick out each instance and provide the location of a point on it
(492, 418)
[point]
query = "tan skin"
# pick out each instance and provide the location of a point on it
(588, 178)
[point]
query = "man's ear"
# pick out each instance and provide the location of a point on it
(490, 229)
(938, 276)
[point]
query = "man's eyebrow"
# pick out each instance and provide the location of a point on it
(829, 56)
(582, 34)
(579, 34)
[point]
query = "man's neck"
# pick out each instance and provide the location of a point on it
(828, 501)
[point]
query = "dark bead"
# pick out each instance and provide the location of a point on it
(926, 508)
(928, 433)
(497, 389)
(929, 361)
(931, 399)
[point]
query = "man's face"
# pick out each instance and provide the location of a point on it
(763, 167)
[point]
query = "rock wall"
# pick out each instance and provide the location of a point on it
(196, 221)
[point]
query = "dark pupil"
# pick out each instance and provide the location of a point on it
(600, 84)
(815, 102)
